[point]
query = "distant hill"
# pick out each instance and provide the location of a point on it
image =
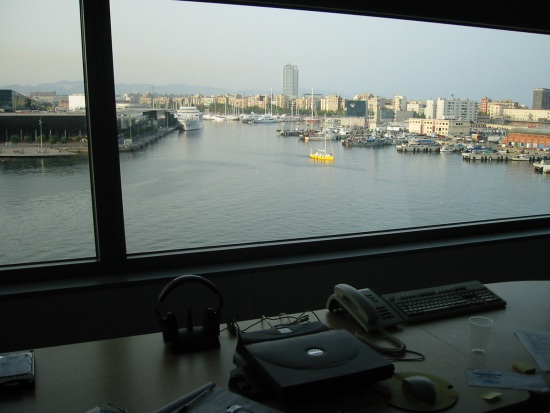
(66, 87)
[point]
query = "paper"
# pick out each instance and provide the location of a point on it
(215, 400)
(503, 380)
(538, 344)
(220, 399)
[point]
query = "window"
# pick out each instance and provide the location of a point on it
(222, 195)
(45, 195)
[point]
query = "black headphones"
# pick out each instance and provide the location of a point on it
(190, 338)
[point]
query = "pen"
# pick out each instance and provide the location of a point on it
(195, 400)
(187, 400)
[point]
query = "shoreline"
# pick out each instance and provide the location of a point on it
(25, 150)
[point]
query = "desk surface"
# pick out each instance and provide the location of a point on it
(141, 375)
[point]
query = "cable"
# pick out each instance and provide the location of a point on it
(233, 327)
(396, 353)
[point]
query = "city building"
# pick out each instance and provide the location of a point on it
(439, 127)
(417, 106)
(290, 80)
(11, 101)
(453, 108)
(536, 138)
(541, 98)
(399, 103)
(77, 102)
(332, 103)
(526, 115)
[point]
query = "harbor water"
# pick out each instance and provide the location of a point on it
(233, 183)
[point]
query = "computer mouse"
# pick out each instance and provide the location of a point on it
(421, 387)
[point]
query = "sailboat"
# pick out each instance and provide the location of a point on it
(312, 118)
(322, 154)
(268, 117)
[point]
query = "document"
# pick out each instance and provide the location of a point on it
(538, 344)
(503, 380)
(212, 399)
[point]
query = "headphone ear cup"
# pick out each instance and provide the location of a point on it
(169, 325)
(211, 322)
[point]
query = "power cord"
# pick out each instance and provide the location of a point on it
(396, 353)
(233, 327)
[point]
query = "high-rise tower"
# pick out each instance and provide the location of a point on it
(541, 99)
(290, 80)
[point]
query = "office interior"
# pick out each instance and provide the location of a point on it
(59, 303)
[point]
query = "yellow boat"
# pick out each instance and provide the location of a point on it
(321, 155)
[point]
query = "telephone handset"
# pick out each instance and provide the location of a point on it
(365, 306)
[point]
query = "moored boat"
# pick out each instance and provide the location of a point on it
(363, 141)
(520, 157)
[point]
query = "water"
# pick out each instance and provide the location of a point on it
(234, 183)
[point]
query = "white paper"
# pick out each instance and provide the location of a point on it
(503, 380)
(538, 344)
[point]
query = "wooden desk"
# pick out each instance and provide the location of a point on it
(141, 375)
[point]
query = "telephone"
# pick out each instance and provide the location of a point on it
(365, 306)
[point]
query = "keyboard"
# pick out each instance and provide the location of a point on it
(442, 302)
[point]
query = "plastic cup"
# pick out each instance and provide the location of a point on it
(480, 330)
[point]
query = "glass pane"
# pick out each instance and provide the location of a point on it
(44, 176)
(235, 181)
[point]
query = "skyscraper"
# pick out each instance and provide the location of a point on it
(290, 80)
(541, 99)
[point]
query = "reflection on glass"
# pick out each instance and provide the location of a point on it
(239, 179)
(44, 177)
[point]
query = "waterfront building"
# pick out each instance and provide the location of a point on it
(290, 80)
(541, 98)
(526, 115)
(332, 103)
(356, 108)
(453, 108)
(417, 106)
(440, 127)
(535, 138)
(495, 109)
(399, 103)
(77, 102)
(11, 101)
(282, 101)
(483, 105)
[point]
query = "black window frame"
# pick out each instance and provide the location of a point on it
(113, 264)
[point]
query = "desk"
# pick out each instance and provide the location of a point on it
(141, 375)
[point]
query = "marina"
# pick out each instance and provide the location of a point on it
(232, 182)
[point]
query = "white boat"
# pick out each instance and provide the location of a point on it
(189, 117)
(541, 165)
(520, 157)
(267, 118)
(447, 149)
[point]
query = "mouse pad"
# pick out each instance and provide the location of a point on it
(399, 397)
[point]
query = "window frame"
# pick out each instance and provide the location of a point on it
(114, 264)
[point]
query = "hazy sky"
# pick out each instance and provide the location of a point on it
(161, 42)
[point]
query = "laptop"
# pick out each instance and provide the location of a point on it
(306, 365)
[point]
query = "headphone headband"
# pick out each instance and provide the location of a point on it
(184, 279)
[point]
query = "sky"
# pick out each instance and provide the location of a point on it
(240, 49)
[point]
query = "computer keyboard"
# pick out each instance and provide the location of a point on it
(445, 301)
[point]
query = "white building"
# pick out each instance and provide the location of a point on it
(77, 102)
(457, 109)
(399, 103)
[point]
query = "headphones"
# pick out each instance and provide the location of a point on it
(190, 338)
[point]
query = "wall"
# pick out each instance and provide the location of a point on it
(93, 313)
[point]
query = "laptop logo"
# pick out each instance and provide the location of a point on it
(315, 352)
